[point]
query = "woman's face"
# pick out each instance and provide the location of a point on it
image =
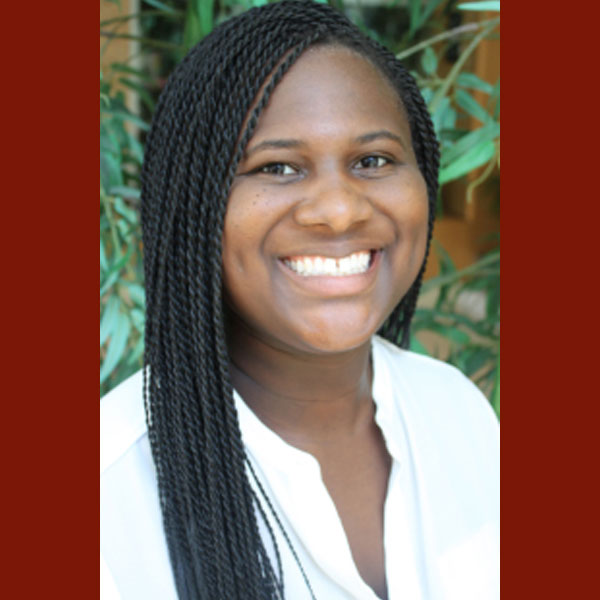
(326, 225)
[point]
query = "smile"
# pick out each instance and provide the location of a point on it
(319, 266)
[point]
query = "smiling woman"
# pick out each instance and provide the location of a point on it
(288, 450)
(329, 182)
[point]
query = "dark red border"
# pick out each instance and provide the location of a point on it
(49, 438)
(549, 305)
(50, 301)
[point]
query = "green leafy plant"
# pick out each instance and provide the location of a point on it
(418, 32)
(471, 341)
(121, 292)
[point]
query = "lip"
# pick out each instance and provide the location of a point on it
(335, 286)
(340, 251)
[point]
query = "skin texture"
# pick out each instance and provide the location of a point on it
(329, 171)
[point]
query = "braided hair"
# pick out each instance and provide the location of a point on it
(199, 132)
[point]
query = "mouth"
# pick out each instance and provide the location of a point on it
(356, 263)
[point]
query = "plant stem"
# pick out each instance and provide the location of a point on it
(496, 391)
(486, 173)
(147, 13)
(450, 277)
(458, 65)
(142, 40)
(438, 38)
(111, 222)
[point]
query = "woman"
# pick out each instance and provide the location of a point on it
(289, 187)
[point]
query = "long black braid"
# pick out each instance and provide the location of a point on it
(198, 135)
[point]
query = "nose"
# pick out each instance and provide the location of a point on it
(333, 202)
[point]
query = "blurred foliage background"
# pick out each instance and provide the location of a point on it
(458, 317)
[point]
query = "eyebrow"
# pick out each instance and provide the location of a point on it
(293, 143)
(383, 133)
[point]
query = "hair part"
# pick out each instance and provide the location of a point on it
(199, 132)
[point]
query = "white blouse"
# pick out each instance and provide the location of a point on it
(441, 520)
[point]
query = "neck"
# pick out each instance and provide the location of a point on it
(306, 398)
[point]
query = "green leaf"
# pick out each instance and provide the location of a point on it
(448, 120)
(477, 156)
(122, 115)
(111, 279)
(417, 17)
(470, 80)
(476, 357)
(140, 90)
(130, 215)
(490, 5)
(136, 293)
(429, 8)
(206, 12)
(414, 8)
(495, 97)
(429, 62)
(137, 351)
(136, 149)
(451, 333)
(109, 317)
(495, 401)
(113, 273)
(198, 22)
(116, 346)
(192, 32)
(122, 190)
(123, 68)
(110, 170)
(427, 94)
(108, 140)
(424, 318)
(489, 132)
(103, 261)
(439, 115)
(471, 106)
(472, 269)
(162, 5)
(493, 299)
(445, 260)
(416, 346)
(137, 318)
(444, 119)
(450, 136)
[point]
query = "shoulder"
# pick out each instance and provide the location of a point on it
(432, 388)
(418, 367)
(122, 420)
(132, 541)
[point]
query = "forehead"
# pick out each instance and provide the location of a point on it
(337, 85)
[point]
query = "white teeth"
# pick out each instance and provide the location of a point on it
(355, 263)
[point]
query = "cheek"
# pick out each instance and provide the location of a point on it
(238, 233)
(411, 216)
(419, 228)
(243, 262)
(233, 244)
(236, 265)
(411, 208)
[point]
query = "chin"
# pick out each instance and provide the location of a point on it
(331, 339)
(338, 327)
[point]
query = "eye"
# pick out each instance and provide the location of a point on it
(277, 169)
(372, 161)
